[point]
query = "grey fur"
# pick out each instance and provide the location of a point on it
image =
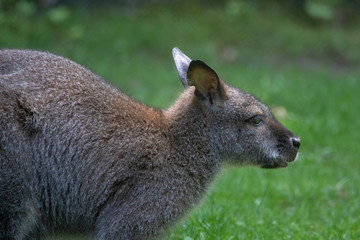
(79, 156)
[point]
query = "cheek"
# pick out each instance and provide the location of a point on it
(251, 134)
(229, 139)
(258, 141)
(248, 139)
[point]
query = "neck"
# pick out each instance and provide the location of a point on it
(190, 139)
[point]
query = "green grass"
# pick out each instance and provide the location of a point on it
(308, 71)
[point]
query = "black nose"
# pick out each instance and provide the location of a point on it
(296, 142)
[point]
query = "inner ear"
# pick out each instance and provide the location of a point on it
(202, 77)
(206, 82)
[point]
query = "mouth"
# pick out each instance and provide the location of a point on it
(279, 163)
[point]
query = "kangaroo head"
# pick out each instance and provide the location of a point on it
(244, 131)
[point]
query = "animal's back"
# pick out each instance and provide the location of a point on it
(65, 125)
(49, 81)
(49, 90)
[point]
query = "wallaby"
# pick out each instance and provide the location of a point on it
(79, 156)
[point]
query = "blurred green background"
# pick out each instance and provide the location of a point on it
(300, 57)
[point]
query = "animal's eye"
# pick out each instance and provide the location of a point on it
(256, 120)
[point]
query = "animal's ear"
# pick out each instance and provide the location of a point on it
(209, 89)
(182, 64)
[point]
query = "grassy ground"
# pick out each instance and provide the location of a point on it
(307, 73)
